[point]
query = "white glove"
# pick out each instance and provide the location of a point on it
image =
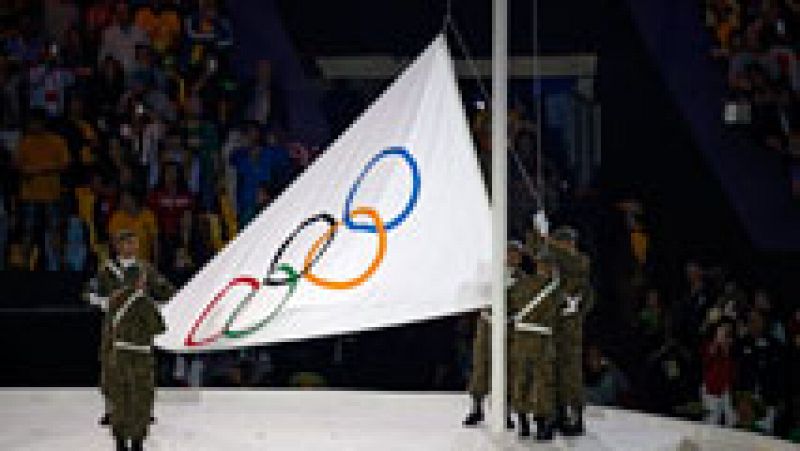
(572, 305)
(540, 223)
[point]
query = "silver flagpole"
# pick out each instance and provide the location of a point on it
(499, 151)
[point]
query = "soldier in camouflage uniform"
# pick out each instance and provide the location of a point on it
(576, 301)
(478, 386)
(132, 321)
(533, 304)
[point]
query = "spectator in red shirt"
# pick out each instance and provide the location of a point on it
(718, 374)
(171, 201)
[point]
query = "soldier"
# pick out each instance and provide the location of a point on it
(533, 304)
(479, 378)
(576, 301)
(133, 319)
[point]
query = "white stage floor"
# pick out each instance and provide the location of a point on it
(66, 419)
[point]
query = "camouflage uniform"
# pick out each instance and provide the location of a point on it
(532, 353)
(574, 269)
(127, 361)
(481, 356)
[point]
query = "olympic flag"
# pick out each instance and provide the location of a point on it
(390, 225)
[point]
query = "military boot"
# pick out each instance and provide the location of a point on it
(137, 444)
(475, 416)
(121, 443)
(524, 426)
(509, 422)
(572, 422)
(544, 429)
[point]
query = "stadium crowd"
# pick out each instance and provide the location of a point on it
(713, 345)
(128, 115)
(759, 41)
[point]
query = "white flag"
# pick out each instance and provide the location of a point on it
(390, 225)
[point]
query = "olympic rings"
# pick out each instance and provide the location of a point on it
(412, 200)
(358, 280)
(319, 247)
(292, 277)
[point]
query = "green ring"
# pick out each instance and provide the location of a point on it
(291, 281)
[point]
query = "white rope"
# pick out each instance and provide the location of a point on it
(546, 291)
(127, 305)
(526, 177)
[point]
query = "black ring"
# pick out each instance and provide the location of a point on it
(269, 280)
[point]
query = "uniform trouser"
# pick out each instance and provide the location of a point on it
(479, 377)
(531, 373)
(131, 389)
(569, 362)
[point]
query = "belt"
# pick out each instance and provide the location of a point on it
(124, 345)
(521, 326)
(531, 327)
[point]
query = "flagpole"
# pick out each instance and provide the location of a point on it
(499, 208)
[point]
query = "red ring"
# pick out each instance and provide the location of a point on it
(190, 341)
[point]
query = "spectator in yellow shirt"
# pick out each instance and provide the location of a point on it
(162, 23)
(42, 159)
(131, 215)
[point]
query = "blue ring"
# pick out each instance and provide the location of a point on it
(412, 201)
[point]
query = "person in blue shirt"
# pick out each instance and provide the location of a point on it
(257, 164)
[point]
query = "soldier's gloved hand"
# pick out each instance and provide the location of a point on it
(540, 223)
(572, 305)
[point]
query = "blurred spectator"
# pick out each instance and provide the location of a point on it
(120, 39)
(255, 164)
(670, 384)
(718, 375)
(23, 44)
(82, 140)
(763, 304)
(48, 82)
(651, 321)
(202, 141)
(43, 158)
(171, 202)
(161, 20)
(692, 312)
(207, 31)
(104, 195)
(605, 384)
(758, 375)
(132, 216)
(76, 239)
